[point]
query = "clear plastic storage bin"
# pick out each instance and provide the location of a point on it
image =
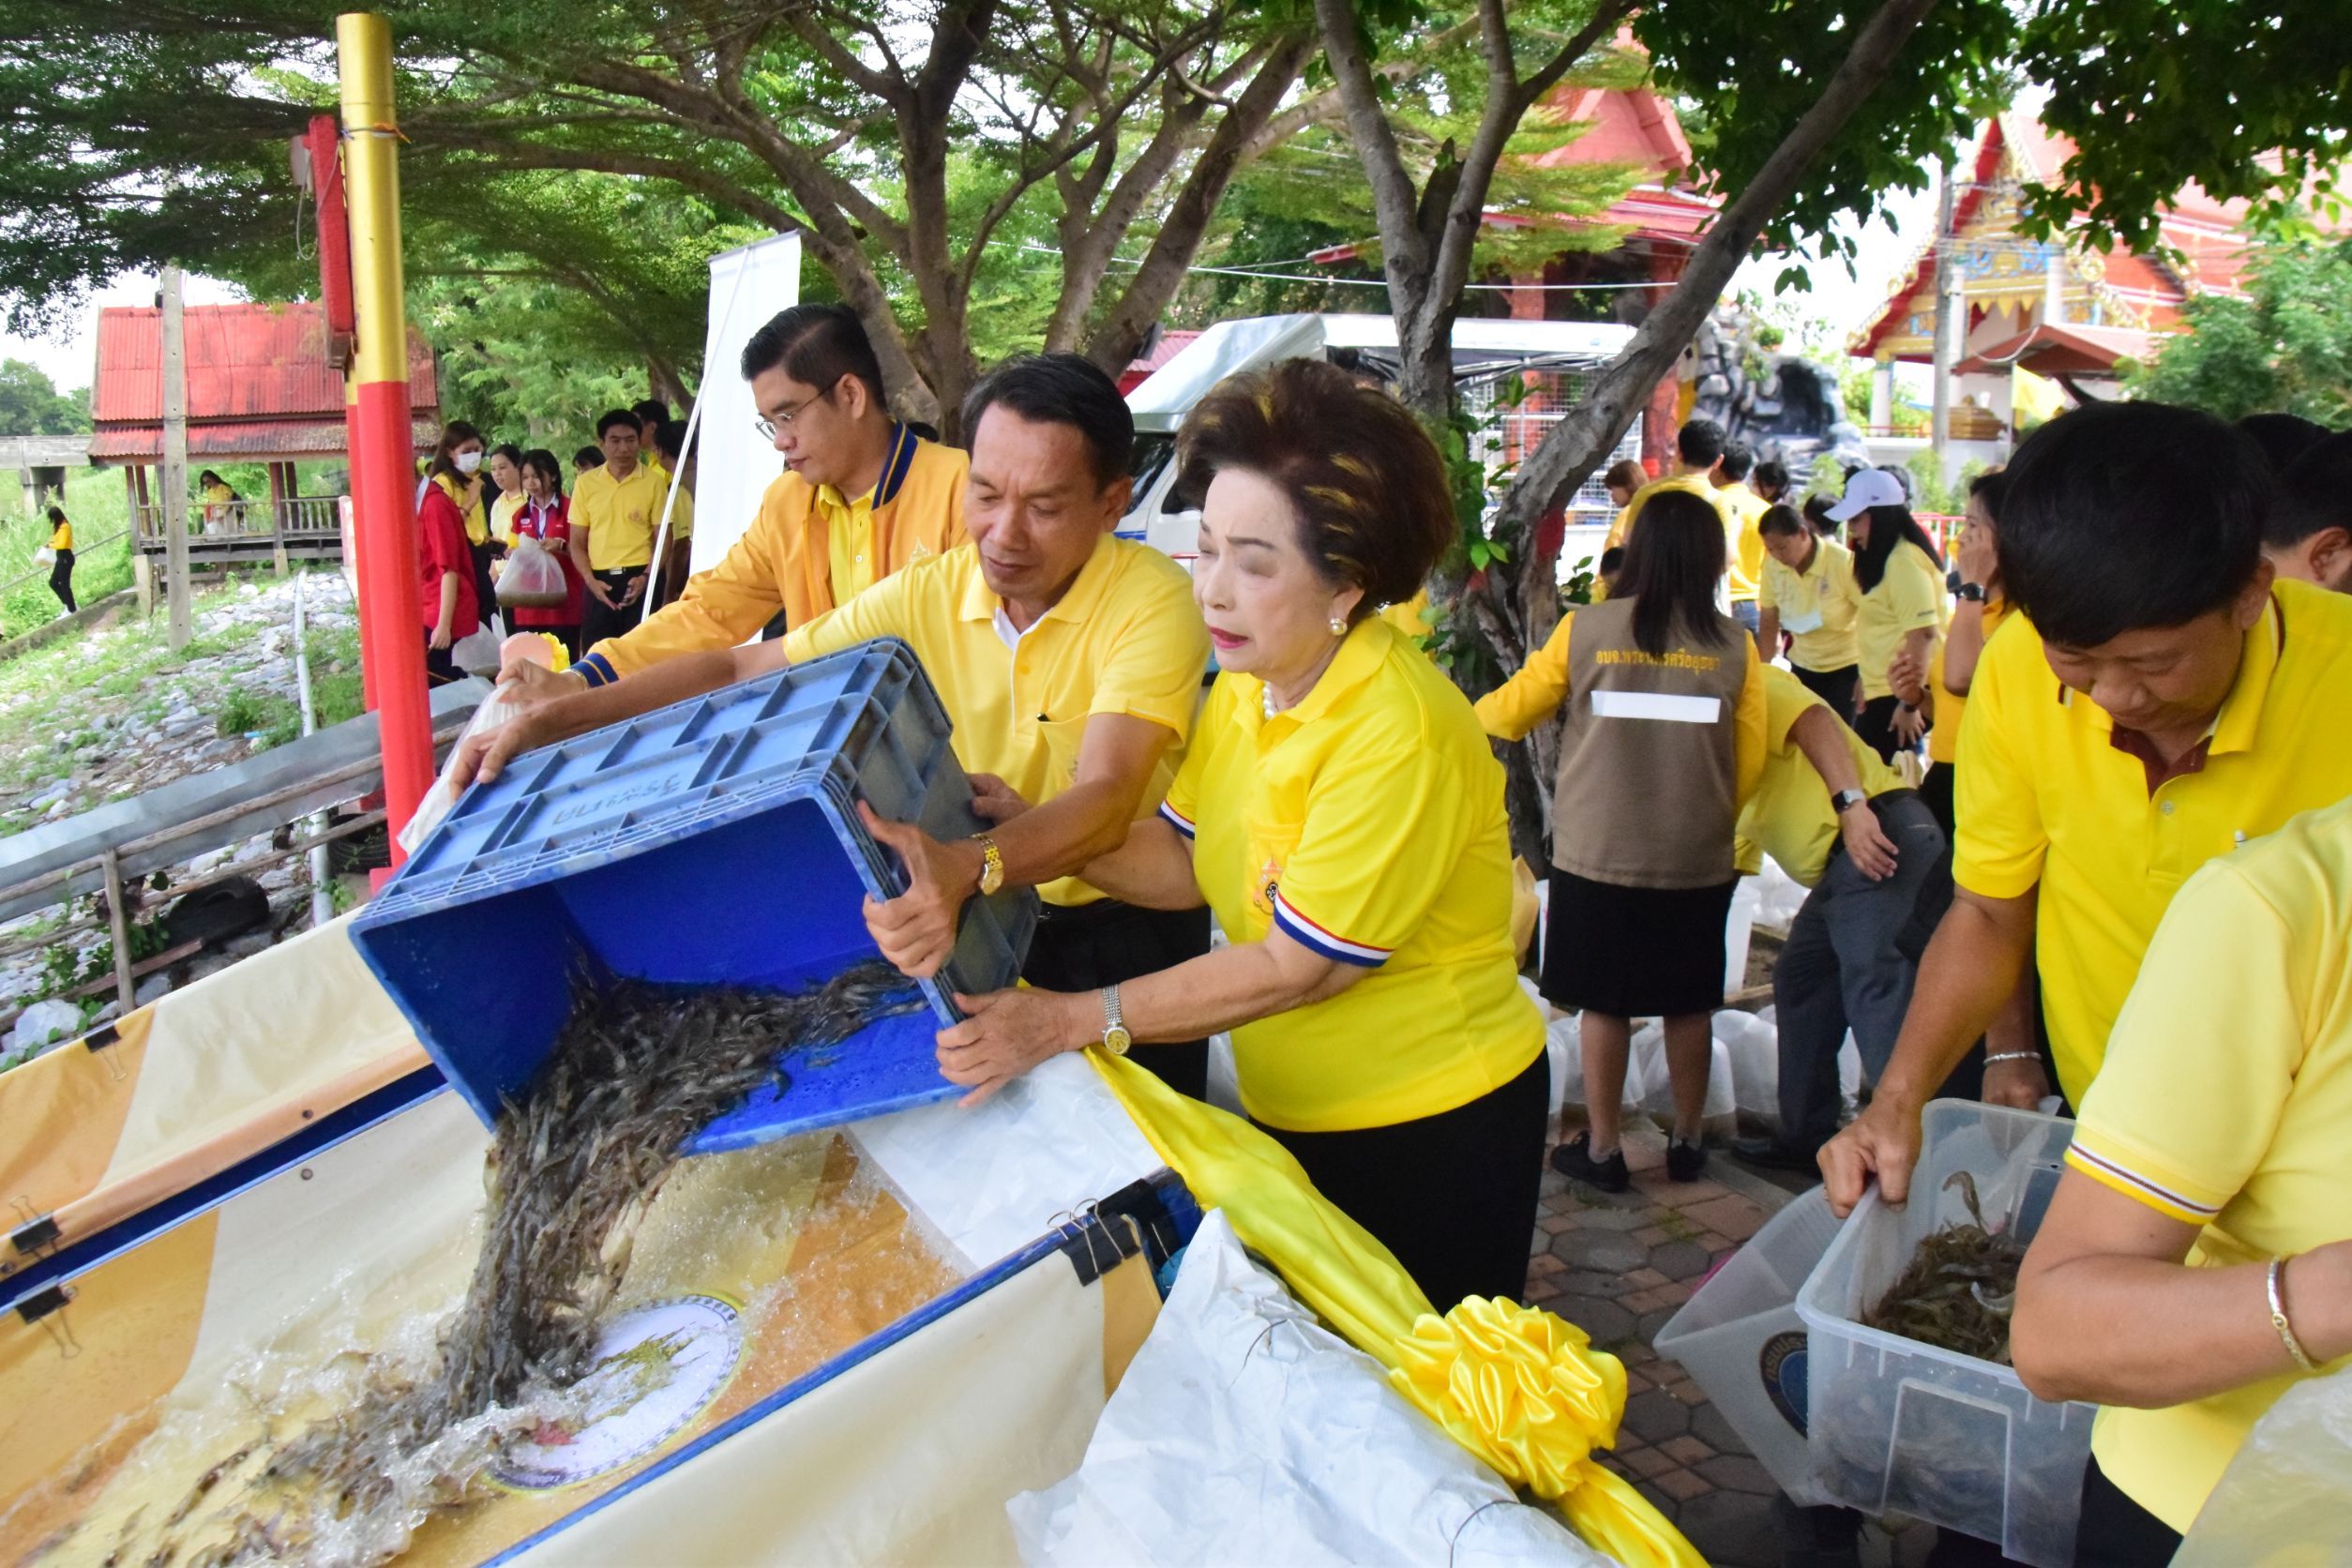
(1898, 1426)
(1741, 1341)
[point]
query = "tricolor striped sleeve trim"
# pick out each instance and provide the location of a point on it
(1329, 945)
(2130, 1183)
(1176, 818)
(599, 673)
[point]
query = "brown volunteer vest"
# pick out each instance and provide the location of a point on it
(1648, 786)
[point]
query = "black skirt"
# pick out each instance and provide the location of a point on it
(1452, 1195)
(1634, 952)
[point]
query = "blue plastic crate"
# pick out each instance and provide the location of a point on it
(714, 841)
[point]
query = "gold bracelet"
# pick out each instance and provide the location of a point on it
(2273, 1283)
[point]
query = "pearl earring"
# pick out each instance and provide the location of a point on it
(1339, 626)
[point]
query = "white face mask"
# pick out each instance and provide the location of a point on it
(469, 462)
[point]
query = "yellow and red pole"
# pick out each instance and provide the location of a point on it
(383, 477)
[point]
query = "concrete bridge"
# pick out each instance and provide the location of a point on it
(40, 463)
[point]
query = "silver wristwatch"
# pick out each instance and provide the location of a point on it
(1115, 1036)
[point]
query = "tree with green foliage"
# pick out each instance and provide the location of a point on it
(937, 156)
(1310, 194)
(1802, 114)
(30, 403)
(1783, 146)
(2284, 344)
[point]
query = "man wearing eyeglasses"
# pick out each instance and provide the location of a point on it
(861, 496)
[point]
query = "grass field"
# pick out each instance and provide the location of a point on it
(95, 502)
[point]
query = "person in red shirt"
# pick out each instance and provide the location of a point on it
(445, 565)
(544, 516)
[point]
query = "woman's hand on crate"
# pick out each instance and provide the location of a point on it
(916, 930)
(1005, 1033)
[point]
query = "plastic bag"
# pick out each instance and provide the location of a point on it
(1203, 1454)
(1563, 1042)
(1649, 1062)
(497, 709)
(534, 579)
(476, 652)
(2286, 1498)
(1753, 1045)
(44, 557)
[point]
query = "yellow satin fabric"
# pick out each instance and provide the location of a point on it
(1519, 1387)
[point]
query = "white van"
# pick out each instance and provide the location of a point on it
(1486, 351)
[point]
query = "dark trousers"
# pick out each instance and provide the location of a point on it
(2115, 1531)
(597, 622)
(61, 581)
(440, 668)
(1935, 788)
(1852, 955)
(1452, 1195)
(1834, 686)
(485, 591)
(1084, 947)
(1966, 1081)
(1876, 728)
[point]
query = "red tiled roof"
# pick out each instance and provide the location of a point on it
(259, 382)
(1629, 125)
(1170, 345)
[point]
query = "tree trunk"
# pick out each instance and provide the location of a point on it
(663, 380)
(1578, 443)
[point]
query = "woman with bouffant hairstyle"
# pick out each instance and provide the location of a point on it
(1341, 812)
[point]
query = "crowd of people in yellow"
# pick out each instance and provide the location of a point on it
(2127, 867)
(477, 504)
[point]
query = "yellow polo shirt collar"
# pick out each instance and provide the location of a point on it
(979, 602)
(2240, 715)
(1349, 668)
(850, 550)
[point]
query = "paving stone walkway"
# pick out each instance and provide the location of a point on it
(1618, 1266)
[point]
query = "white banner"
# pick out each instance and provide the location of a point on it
(735, 464)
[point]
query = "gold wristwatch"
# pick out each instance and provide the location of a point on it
(1115, 1036)
(991, 864)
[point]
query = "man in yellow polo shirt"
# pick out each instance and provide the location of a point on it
(1842, 822)
(1746, 509)
(2155, 700)
(2192, 1191)
(862, 497)
(1068, 660)
(615, 511)
(1698, 445)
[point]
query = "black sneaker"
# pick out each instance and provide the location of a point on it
(1684, 1161)
(1574, 1158)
